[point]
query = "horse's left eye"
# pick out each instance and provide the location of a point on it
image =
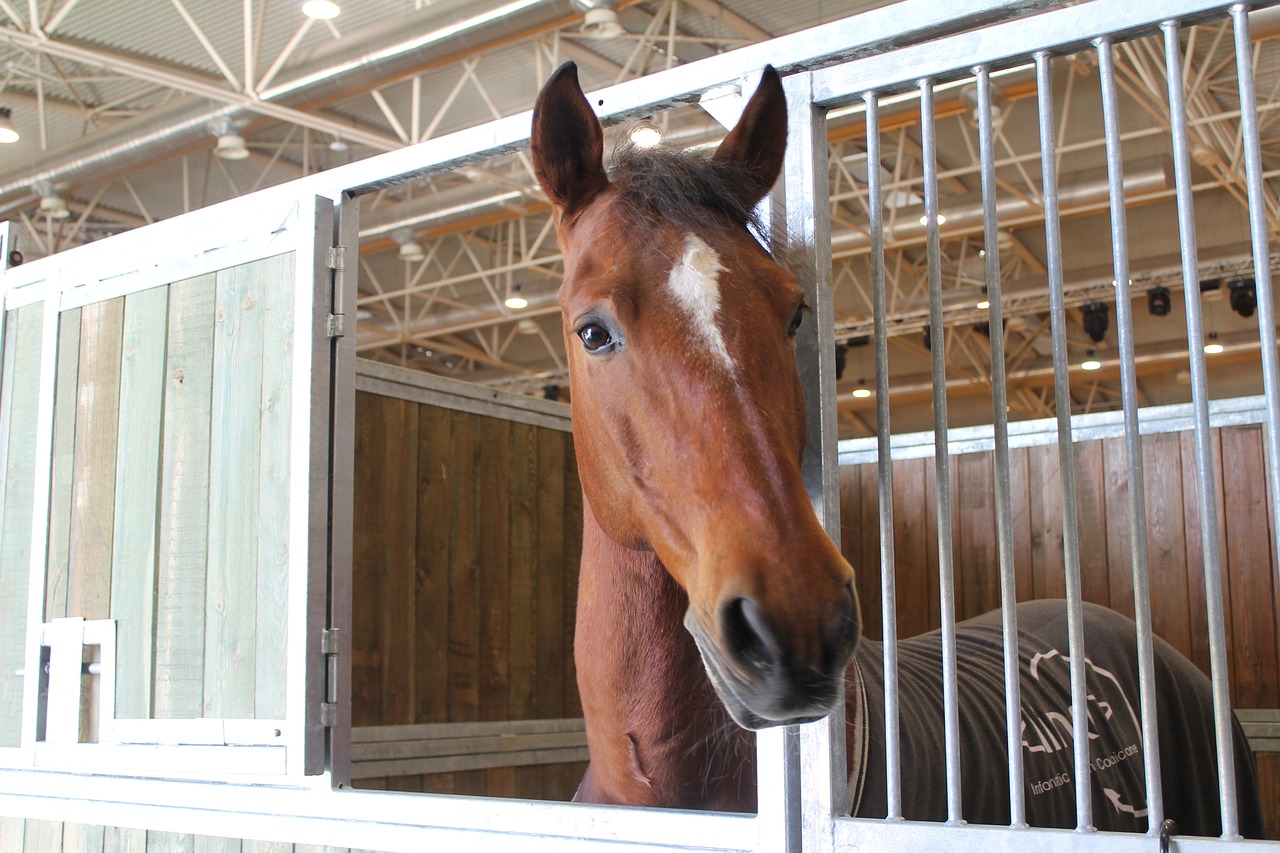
(595, 337)
(796, 320)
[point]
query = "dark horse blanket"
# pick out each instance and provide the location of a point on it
(1184, 718)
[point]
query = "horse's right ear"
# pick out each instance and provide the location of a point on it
(567, 143)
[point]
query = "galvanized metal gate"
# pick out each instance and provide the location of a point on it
(856, 64)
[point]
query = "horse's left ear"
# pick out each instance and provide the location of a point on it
(567, 143)
(758, 143)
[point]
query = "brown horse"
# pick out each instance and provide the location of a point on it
(709, 592)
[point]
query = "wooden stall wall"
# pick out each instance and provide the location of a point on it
(467, 540)
(171, 528)
(1173, 539)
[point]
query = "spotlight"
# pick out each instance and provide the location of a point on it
(8, 133)
(1243, 296)
(1090, 362)
(1213, 347)
(1096, 320)
(862, 391)
(515, 301)
(551, 392)
(321, 10)
(1158, 301)
(842, 356)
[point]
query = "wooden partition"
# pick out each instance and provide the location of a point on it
(1173, 539)
(467, 539)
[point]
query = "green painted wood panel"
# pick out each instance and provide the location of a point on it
(19, 402)
(277, 275)
(232, 584)
(133, 560)
(94, 479)
(64, 454)
(184, 501)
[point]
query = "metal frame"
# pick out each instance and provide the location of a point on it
(862, 58)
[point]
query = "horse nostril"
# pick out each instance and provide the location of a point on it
(747, 635)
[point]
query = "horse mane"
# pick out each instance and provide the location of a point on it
(666, 184)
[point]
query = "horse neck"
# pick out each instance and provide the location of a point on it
(657, 733)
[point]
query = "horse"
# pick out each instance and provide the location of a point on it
(711, 602)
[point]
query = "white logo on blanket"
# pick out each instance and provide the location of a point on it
(1115, 734)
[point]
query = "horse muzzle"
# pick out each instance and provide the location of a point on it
(761, 682)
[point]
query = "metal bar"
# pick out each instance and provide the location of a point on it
(820, 746)
(1066, 461)
(889, 598)
(1262, 266)
(1206, 495)
(1000, 414)
(1133, 441)
(942, 462)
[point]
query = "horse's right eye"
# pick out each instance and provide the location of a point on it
(595, 337)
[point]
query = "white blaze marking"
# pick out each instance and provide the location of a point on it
(695, 281)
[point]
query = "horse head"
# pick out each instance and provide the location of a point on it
(688, 412)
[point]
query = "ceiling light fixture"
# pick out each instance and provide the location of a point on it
(231, 147)
(1243, 296)
(1158, 302)
(410, 248)
(1213, 347)
(862, 391)
(1090, 362)
(321, 10)
(54, 207)
(942, 219)
(8, 133)
(1095, 320)
(515, 301)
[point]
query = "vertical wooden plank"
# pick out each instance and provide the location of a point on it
(850, 528)
(1020, 521)
(12, 832)
(1195, 547)
(367, 569)
(464, 591)
(64, 454)
(1048, 567)
(81, 838)
(1166, 540)
(551, 591)
(1115, 475)
(495, 585)
(214, 844)
(170, 842)
(266, 846)
(133, 560)
(1250, 585)
(94, 481)
(234, 513)
(1091, 518)
(870, 584)
(911, 547)
(399, 510)
(523, 533)
(434, 491)
(572, 564)
(19, 400)
(277, 277)
(42, 836)
(977, 558)
(184, 501)
(1268, 767)
(121, 840)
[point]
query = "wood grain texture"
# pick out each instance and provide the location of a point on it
(18, 399)
(184, 501)
(94, 481)
(63, 467)
(276, 442)
(234, 511)
(433, 492)
(133, 559)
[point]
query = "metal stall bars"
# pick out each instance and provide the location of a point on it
(1039, 40)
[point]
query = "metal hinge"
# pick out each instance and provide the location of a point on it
(329, 648)
(336, 326)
